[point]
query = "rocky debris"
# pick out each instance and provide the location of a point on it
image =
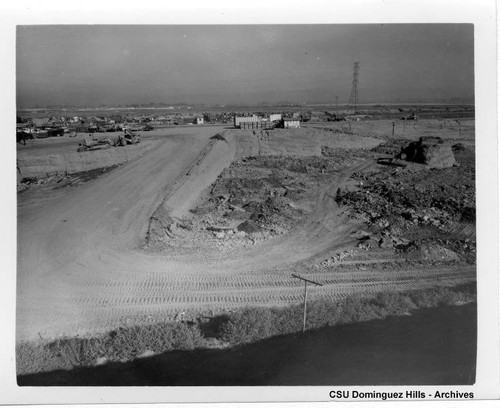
(220, 235)
(391, 147)
(430, 151)
(248, 227)
(22, 186)
(431, 252)
(55, 181)
(223, 234)
(385, 241)
(271, 207)
(400, 207)
(468, 214)
(368, 244)
(361, 235)
(459, 147)
(337, 258)
(435, 197)
(180, 317)
(50, 181)
(259, 194)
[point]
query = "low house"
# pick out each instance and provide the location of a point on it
(199, 120)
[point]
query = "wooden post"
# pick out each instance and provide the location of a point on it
(305, 297)
(305, 307)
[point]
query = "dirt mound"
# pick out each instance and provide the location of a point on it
(430, 151)
(431, 253)
(218, 136)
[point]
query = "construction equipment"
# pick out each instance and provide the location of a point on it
(411, 116)
(128, 137)
(90, 143)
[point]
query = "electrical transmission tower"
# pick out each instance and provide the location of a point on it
(354, 98)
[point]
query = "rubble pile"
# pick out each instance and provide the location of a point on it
(337, 258)
(332, 161)
(259, 197)
(391, 147)
(402, 207)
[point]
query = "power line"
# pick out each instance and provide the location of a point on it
(354, 98)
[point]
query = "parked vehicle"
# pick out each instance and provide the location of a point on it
(90, 143)
(128, 137)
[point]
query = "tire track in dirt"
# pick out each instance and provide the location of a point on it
(172, 297)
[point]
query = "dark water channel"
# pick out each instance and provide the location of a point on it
(431, 347)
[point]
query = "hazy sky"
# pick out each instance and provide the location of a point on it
(93, 65)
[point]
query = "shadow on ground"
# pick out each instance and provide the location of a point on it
(431, 347)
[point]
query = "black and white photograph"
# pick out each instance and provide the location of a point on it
(259, 204)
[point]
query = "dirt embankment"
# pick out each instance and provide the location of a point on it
(296, 142)
(42, 164)
(451, 130)
(185, 191)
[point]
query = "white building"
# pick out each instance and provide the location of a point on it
(239, 119)
(291, 123)
(199, 120)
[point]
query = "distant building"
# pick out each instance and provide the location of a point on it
(199, 120)
(274, 117)
(239, 119)
(262, 124)
(291, 123)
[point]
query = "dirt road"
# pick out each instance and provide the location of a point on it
(80, 268)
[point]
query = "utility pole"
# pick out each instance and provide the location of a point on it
(306, 281)
(354, 98)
